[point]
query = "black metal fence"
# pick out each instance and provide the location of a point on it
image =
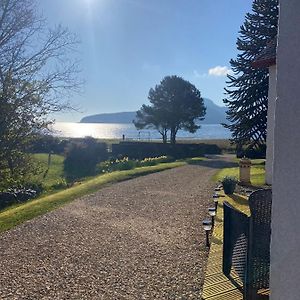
(246, 248)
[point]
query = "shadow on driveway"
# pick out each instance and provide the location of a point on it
(215, 162)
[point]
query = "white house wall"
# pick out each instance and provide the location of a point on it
(285, 239)
(270, 124)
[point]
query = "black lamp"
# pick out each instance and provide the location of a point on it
(207, 225)
(212, 213)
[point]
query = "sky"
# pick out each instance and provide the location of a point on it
(128, 46)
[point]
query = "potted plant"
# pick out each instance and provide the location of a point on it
(229, 184)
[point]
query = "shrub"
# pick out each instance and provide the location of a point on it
(105, 166)
(152, 161)
(127, 164)
(82, 158)
(16, 195)
(37, 186)
(59, 184)
(229, 184)
(252, 153)
(48, 144)
(117, 165)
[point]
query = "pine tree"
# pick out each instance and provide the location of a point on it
(174, 104)
(247, 88)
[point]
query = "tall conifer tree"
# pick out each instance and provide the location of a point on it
(247, 87)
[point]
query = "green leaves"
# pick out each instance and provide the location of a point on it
(247, 91)
(174, 104)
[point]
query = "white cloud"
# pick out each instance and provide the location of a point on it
(219, 71)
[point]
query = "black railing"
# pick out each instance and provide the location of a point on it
(246, 248)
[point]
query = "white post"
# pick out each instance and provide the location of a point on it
(285, 239)
(270, 124)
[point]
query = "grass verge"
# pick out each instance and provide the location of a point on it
(257, 173)
(55, 172)
(15, 215)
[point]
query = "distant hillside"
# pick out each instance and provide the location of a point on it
(120, 117)
(214, 115)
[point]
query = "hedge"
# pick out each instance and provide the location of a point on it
(141, 150)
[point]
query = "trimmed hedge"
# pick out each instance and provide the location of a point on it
(141, 150)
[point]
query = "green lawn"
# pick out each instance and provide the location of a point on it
(56, 170)
(257, 172)
(18, 214)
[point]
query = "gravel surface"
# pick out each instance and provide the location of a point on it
(138, 239)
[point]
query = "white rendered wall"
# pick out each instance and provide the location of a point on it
(270, 124)
(285, 239)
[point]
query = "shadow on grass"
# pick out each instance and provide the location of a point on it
(255, 187)
(240, 203)
(238, 199)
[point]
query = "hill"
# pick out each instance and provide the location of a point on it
(214, 115)
(120, 117)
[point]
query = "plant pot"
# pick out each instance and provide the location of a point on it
(229, 184)
(229, 189)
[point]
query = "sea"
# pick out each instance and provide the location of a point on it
(117, 131)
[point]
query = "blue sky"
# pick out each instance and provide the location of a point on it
(128, 46)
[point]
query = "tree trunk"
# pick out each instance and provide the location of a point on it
(164, 137)
(164, 134)
(173, 135)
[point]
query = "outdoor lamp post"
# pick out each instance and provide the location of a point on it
(207, 225)
(216, 203)
(215, 197)
(212, 213)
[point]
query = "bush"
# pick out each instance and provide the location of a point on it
(251, 153)
(229, 184)
(117, 165)
(48, 144)
(82, 158)
(128, 164)
(152, 161)
(125, 164)
(17, 195)
(37, 186)
(59, 184)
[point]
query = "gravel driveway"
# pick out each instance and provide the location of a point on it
(138, 239)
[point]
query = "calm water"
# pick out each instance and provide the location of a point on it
(115, 131)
